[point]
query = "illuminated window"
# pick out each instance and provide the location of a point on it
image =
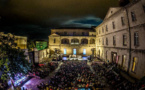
(54, 40)
(124, 40)
(123, 60)
(133, 16)
(65, 51)
(74, 51)
(134, 63)
(84, 51)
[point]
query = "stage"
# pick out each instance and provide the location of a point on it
(67, 58)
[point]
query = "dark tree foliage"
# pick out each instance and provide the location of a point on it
(122, 3)
(31, 45)
(12, 59)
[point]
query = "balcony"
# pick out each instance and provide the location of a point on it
(74, 43)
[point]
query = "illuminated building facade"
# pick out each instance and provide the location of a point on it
(72, 41)
(120, 38)
(21, 41)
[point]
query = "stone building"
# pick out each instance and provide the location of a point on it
(39, 56)
(120, 38)
(21, 41)
(72, 41)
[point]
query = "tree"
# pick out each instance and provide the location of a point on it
(31, 45)
(12, 59)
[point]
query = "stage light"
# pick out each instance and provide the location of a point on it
(18, 82)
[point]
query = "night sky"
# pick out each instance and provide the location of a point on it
(35, 18)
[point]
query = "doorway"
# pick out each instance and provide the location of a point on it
(114, 57)
(74, 51)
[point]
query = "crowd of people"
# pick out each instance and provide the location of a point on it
(44, 71)
(115, 80)
(74, 75)
(77, 75)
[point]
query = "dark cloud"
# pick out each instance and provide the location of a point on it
(83, 22)
(51, 13)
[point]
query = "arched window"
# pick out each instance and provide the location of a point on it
(74, 41)
(92, 41)
(65, 41)
(84, 41)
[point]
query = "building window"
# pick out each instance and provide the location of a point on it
(54, 41)
(99, 41)
(106, 55)
(106, 28)
(124, 40)
(122, 21)
(113, 25)
(136, 39)
(99, 32)
(75, 41)
(65, 33)
(111, 11)
(83, 33)
(74, 33)
(92, 41)
(114, 40)
(84, 41)
(102, 41)
(102, 30)
(123, 60)
(99, 53)
(144, 8)
(134, 64)
(84, 51)
(65, 51)
(106, 41)
(133, 16)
